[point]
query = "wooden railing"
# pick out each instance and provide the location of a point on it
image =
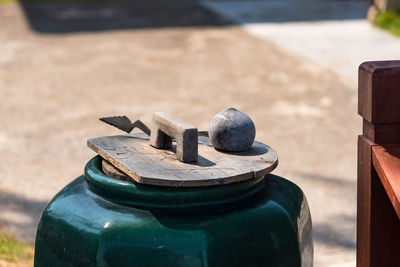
(378, 200)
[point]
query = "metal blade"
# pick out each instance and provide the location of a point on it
(139, 124)
(121, 122)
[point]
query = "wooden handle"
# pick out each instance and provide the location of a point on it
(165, 127)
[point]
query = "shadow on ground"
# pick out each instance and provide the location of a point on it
(103, 16)
(337, 229)
(329, 180)
(282, 11)
(333, 234)
(25, 225)
(82, 16)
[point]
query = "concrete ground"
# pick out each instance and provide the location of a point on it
(61, 68)
(332, 33)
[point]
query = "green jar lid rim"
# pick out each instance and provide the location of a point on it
(139, 195)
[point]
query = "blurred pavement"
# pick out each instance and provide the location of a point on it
(101, 59)
(332, 33)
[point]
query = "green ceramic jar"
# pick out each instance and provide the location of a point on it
(100, 221)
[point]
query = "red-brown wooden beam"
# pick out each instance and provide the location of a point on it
(386, 160)
(378, 227)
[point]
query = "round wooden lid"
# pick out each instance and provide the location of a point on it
(133, 155)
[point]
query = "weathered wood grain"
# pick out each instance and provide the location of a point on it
(113, 172)
(145, 164)
(165, 127)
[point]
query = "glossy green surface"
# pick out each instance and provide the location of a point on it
(100, 221)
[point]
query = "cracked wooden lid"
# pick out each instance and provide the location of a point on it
(133, 155)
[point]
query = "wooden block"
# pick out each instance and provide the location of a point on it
(165, 127)
(383, 133)
(379, 91)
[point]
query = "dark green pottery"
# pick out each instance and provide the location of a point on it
(100, 221)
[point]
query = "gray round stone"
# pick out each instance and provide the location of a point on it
(232, 130)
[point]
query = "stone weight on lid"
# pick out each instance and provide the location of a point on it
(232, 130)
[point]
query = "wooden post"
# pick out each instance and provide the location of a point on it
(378, 226)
